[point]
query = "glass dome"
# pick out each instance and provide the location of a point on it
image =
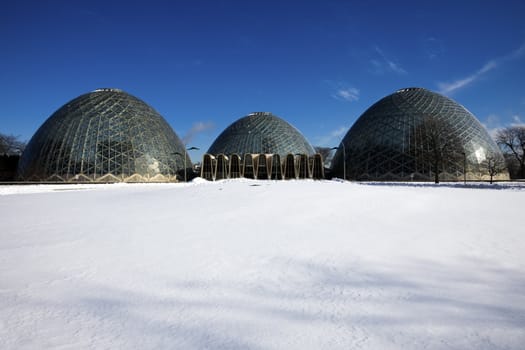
(261, 132)
(383, 142)
(106, 135)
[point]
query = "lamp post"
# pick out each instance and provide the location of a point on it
(188, 149)
(182, 156)
(344, 158)
(464, 168)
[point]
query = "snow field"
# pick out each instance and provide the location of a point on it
(261, 265)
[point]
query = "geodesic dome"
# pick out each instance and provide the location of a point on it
(261, 133)
(105, 135)
(383, 143)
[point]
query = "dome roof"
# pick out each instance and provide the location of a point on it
(382, 142)
(261, 132)
(104, 135)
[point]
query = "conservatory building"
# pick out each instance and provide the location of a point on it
(106, 135)
(391, 141)
(261, 146)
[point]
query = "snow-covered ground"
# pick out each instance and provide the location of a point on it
(262, 265)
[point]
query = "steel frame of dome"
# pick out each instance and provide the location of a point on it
(260, 133)
(378, 145)
(104, 136)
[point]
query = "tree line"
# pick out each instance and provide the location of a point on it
(511, 140)
(11, 145)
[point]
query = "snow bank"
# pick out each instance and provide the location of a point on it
(261, 265)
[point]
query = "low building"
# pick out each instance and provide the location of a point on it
(262, 166)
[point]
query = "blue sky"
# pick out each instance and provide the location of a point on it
(204, 64)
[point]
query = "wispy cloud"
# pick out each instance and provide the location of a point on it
(343, 91)
(448, 88)
(517, 121)
(493, 123)
(347, 94)
(384, 64)
(332, 138)
(197, 128)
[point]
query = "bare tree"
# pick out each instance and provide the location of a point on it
(326, 153)
(511, 140)
(494, 166)
(11, 145)
(436, 142)
(512, 165)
